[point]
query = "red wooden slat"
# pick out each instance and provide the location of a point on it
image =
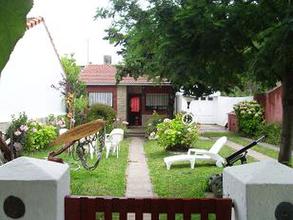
(80, 208)
(223, 209)
(107, 209)
(88, 208)
(72, 208)
(139, 208)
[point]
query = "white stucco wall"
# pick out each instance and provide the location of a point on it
(25, 83)
(210, 112)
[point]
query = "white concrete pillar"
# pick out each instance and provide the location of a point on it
(258, 188)
(33, 189)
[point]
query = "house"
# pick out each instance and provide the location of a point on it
(25, 83)
(133, 100)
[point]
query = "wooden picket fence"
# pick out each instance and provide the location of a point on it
(86, 208)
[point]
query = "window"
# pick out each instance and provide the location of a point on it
(157, 101)
(101, 97)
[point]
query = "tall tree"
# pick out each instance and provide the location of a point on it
(204, 45)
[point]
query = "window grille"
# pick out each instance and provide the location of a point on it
(157, 101)
(101, 97)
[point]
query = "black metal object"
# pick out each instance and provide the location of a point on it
(284, 211)
(215, 182)
(82, 148)
(14, 207)
(241, 154)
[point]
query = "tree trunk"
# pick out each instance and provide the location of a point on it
(287, 128)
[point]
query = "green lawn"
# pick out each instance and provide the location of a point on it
(239, 140)
(108, 179)
(180, 181)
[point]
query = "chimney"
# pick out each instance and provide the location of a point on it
(107, 59)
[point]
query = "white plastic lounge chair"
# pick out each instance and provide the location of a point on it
(200, 154)
(112, 141)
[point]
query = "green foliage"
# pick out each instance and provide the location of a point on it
(27, 135)
(101, 111)
(152, 122)
(59, 121)
(175, 135)
(72, 82)
(80, 107)
(17, 131)
(12, 26)
(272, 131)
(71, 86)
(39, 136)
(120, 124)
(250, 117)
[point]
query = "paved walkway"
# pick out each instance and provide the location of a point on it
(252, 153)
(138, 179)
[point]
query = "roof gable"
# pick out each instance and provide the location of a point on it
(105, 75)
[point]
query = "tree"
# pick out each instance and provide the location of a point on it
(73, 90)
(205, 45)
(12, 26)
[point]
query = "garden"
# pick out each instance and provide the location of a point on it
(33, 138)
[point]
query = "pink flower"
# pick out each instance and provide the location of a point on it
(17, 133)
(125, 122)
(23, 128)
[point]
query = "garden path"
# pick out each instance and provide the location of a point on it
(138, 183)
(258, 156)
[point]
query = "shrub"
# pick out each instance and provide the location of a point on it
(272, 131)
(250, 117)
(101, 111)
(60, 121)
(17, 133)
(39, 136)
(175, 135)
(120, 124)
(152, 122)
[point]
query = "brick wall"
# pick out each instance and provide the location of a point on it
(272, 104)
(122, 102)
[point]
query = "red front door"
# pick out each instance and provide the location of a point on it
(134, 113)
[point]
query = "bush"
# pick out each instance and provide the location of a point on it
(152, 122)
(17, 133)
(175, 135)
(39, 136)
(28, 135)
(272, 131)
(120, 124)
(250, 117)
(101, 111)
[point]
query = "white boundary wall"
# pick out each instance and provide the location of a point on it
(25, 82)
(213, 111)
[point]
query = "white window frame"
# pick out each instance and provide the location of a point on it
(105, 98)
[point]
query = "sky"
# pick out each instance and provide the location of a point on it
(72, 27)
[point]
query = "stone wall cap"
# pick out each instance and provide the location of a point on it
(31, 169)
(264, 172)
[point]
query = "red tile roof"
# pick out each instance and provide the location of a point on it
(31, 22)
(105, 75)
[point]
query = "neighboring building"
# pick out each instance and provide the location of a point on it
(271, 101)
(133, 100)
(25, 82)
(212, 109)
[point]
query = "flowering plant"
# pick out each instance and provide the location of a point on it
(151, 124)
(250, 117)
(16, 132)
(175, 135)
